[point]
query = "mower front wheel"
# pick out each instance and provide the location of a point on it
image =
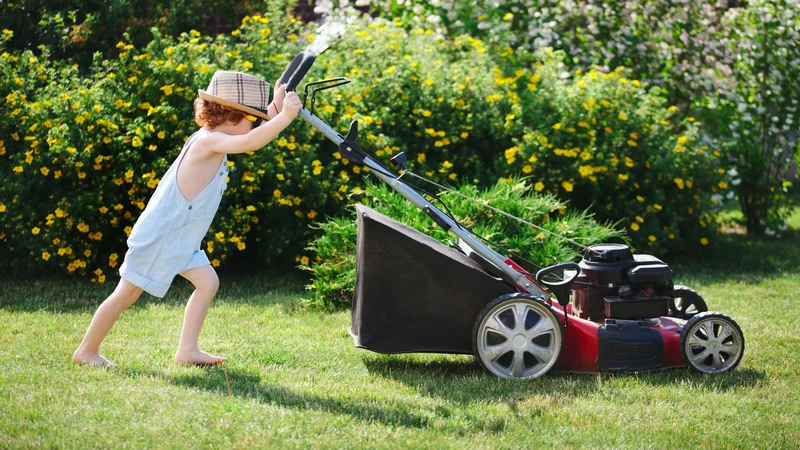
(517, 336)
(711, 343)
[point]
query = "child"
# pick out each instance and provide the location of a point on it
(165, 241)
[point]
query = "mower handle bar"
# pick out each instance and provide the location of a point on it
(294, 74)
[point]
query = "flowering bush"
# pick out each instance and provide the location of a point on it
(334, 273)
(731, 64)
(594, 133)
(81, 154)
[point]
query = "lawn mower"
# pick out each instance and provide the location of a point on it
(614, 311)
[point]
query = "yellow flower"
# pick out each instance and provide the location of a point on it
(623, 177)
(538, 186)
(304, 260)
(723, 185)
(215, 262)
(704, 241)
(276, 193)
(640, 219)
(640, 198)
(657, 207)
(137, 142)
(35, 230)
(635, 226)
(651, 238)
(623, 116)
(567, 186)
(678, 182)
(527, 168)
(311, 214)
(426, 113)
(631, 142)
(240, 245)
(167, 89)
(45, 256)
(557, 126)
(2, 208)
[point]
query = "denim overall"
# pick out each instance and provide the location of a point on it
(165, 240)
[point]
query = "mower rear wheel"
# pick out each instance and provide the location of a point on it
(686, 303)
(711, 343)
(517, 336)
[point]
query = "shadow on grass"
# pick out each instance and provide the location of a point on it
(464, 382)
(366, 409)
(62, 296)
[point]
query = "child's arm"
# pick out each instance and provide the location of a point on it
(258, 137)
(276, 106)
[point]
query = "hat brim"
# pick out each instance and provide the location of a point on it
(233, 105)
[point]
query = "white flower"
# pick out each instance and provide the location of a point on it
(769, 232)
(736, 182)
(733, 172)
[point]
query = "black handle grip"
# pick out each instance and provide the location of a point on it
(297, 69)
(292, 68)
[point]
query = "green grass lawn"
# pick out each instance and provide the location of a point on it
(297, 381)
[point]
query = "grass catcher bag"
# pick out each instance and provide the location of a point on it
(412, 293)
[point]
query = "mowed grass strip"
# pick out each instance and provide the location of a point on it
(297, 381)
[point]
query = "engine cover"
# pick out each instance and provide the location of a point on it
(605, 268)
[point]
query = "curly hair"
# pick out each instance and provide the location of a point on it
(212, 114)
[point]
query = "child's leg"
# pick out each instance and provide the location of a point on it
(205, 282)
(107, 314)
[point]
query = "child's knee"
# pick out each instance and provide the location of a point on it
(209, 282)
(127, 293)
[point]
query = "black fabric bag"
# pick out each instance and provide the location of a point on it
(414, 294)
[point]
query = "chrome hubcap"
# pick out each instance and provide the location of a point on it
(519, 339)
(713, 346)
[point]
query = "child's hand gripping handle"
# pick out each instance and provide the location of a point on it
(297, 69)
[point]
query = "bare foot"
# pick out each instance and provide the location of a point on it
(197, 357)
(93, 359)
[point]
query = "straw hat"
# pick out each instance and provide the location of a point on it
(238, 91)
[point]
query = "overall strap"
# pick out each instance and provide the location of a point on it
(186, 146)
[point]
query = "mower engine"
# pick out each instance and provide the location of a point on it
(615, 284)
